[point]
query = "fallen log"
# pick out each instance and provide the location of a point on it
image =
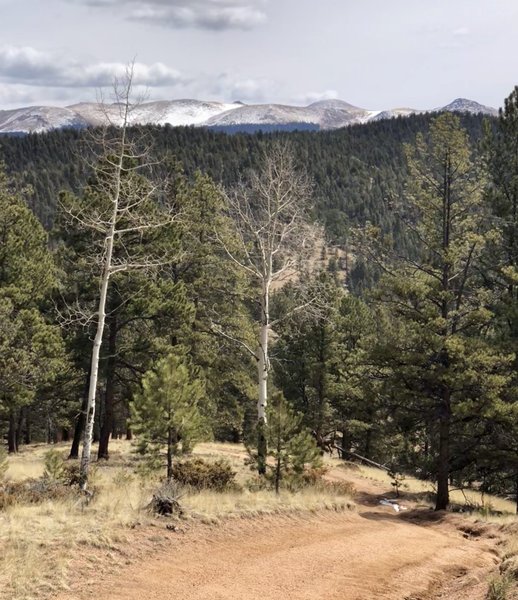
(359, 457)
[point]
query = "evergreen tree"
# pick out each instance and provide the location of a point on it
(32, 350)
(501, 277)
(435, 350)
(169, 409)
(290, 445)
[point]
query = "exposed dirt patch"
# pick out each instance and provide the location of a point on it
(375, 553)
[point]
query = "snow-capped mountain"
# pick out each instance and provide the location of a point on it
(174, 112)
(325, 114)
(468, 106)
(36, 119)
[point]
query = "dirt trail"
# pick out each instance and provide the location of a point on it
(373, 553)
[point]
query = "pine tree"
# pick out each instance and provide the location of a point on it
(502, 278)
(169, 409)
(442, 369)
(31, 350)
(290, 445)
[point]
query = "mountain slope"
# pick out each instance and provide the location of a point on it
(36, 119)
(325, 114)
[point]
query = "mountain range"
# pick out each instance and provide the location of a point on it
(325, 114)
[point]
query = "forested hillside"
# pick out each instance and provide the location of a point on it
(180, 280)
(356, 170)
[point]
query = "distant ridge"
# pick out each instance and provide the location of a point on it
(234, 117)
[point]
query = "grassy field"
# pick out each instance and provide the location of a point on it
(37, 540)
(487, 502)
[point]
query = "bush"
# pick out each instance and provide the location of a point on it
(33, 491)
(54, 465)
(308, 477)
(509, 567)
(499, 588)
(200, 474)
(59, 471)
(339, 488)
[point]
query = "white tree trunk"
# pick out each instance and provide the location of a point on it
(263, 367)
(101, 318)
(94, 370)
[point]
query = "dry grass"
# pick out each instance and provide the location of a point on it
(212, 506)
(37, 541)
(487, 502)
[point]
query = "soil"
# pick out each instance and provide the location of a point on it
(372, 553)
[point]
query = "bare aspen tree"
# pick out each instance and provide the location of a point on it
(124, 206)
(273, 242)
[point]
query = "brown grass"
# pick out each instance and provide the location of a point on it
(487, 502)
(37, 541)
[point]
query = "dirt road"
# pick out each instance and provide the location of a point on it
(374, 553)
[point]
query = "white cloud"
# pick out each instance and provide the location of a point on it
(29, 76)
(311, 97)
(461, 31)
(26, 65)
(203, 14)
(248, 90)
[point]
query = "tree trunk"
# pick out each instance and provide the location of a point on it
(109, 398)
(11, 433)
(19, 428)
(443, 461)
(170, 444)
(80, 423)
(278, 474)
(443, 466)
(94, 367)
(263, 368)
(27, 435)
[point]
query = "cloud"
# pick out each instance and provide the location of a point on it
(26, 65)
(30, 76)
(461, 31)
(216, 15)
(311, 97)
(245, 89)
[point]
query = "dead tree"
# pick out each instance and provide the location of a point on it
(123, 204)
(273, 243)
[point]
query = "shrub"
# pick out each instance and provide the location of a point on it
(54, 465)
(200, 474)
(257, 483)
(59, 471)
(33, 491)
(308, 477)
(499, 588)
(509, 567)
(339, 488)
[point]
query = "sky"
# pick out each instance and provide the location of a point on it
(377, 54)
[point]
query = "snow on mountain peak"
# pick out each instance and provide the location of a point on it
(236, 116)
(468, 106)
